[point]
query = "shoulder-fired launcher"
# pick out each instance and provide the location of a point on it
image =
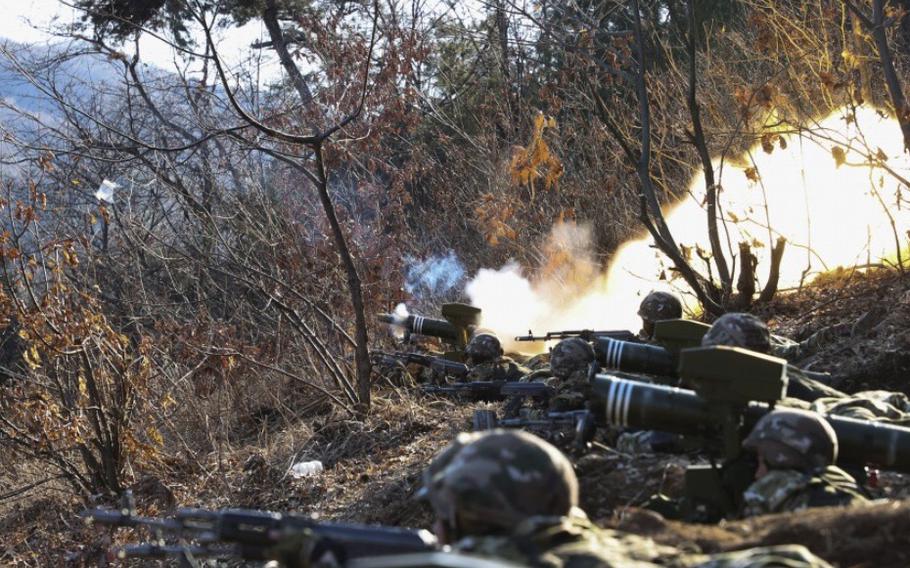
(748, 384)
(460, 321)
(663, 360)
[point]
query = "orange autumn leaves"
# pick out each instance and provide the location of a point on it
(537, 161)
(529, 167)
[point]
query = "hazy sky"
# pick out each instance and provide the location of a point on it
(22, 17)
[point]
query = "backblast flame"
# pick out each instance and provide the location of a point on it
(834, 191)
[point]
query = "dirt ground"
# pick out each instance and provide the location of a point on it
(372, 468)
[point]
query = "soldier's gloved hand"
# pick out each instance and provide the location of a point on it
(587, 334)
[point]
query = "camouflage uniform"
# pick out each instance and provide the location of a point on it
(798, 448)
(511, 496)
(881, 406)
(749, 332)
(786, 348)
(484, 354)
(567, 374)
(655, 307)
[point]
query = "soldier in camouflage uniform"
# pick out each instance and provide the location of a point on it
(796, 451)
(485, 357)
(749, 332)
(567, 373)
(655, 307)
(511, 496)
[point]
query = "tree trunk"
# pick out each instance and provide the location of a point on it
(777, 254)
(361, 352)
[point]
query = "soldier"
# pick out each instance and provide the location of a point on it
(511, 496)
(570, 362)
(796, 451)
(484, 355)
(655, 307)
(749, 332)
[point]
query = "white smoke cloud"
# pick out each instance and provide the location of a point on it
(436, 275)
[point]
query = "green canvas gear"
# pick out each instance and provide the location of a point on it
(739, 330)
(489, 482)
(570, 356)
(785, 490)
(482, 348)
(793, 439)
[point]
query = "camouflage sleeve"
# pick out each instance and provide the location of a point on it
(779, 490)
(802, 387)
(790, 556)
(785, 348)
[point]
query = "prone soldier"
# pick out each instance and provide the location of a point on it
(500, 498)
(796, 451)
(511, 496)
(485, 357)
(749, 332)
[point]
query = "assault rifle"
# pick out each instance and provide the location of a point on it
(581, 422)
(257, 535)
(440, 365)
(460, 320)
(586, 334)
(492, 391)
(732, 389)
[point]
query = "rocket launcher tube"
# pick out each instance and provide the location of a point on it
(425, 326)
(629, 357)
(636, 404)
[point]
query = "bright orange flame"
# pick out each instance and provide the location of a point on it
(825, 170)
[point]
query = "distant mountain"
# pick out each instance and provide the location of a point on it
(77, 77)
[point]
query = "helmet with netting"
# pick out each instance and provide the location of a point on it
(488, 482)
(659, 306)
(483, 347)
(793, 439)
(739, 330)
(569, 356)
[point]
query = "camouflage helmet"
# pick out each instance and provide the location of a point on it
(487, 482)
(739, 330)
(660, 306)
(569, 356)
(483, 347)
(793, 439)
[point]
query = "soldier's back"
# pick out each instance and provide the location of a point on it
(791, 490)
(568, 542)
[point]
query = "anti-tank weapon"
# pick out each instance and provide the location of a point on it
(580, 422)
(732, 389)
(460, 321)
(661, 360)
(257, 535)
(492, 391)
(440, 365)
